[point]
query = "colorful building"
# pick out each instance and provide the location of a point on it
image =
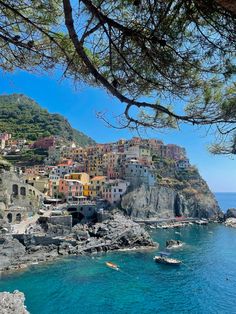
(96, 185)
(71, 189)
(80, 176)
(137, 174)
(113, 190)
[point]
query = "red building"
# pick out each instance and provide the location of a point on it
(44, 142)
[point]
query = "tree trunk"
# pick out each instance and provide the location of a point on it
(228, 5)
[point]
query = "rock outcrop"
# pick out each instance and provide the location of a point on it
(11, 251)
(230, 222)
(231, 213)
(116, 233)
(12, 303)
(164, 202)
(173, 244)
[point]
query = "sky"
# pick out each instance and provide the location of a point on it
(79, 104)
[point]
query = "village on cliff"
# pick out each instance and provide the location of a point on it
(83, 180)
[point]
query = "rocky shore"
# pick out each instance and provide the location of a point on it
(116, 233)
(230, 218)
(12, 303)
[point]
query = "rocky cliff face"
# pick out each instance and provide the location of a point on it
(166, 202)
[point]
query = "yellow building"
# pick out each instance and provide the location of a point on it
(95, 166)
(87, 190)
(83, 177)
(96, 186)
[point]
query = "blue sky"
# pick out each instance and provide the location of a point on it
(80, 104)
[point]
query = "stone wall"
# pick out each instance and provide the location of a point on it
(15, 215)
(15, 191)
(61, 220)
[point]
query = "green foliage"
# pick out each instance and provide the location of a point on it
(24, 118)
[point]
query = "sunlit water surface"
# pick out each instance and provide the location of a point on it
(205, 283)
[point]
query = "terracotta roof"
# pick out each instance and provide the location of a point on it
(98, 178)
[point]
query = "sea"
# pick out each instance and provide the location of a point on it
(204, 283)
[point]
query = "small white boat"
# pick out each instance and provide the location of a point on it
(166, 260)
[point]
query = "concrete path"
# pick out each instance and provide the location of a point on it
(23, 225)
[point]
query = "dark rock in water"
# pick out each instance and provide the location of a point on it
(173, 244)
(12, 303)
(231, 213)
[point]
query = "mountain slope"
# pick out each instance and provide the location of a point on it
(24, 118)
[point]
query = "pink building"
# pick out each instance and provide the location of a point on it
(71, 189)
(175, 152)
(4, 137)
(110, 163)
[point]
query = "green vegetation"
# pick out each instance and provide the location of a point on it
(24, 118)
(4, 164)
(28, 157)
(178, 55)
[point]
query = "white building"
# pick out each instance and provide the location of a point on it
(113, 190)
(138, 174)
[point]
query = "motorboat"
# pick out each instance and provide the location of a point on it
(160, 259)
(112, 265)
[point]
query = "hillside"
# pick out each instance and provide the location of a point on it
(24, 118)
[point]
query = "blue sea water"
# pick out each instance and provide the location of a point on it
(205, 283)
(226, 200)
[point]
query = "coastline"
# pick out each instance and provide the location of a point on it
(117, 233)
(38, 254)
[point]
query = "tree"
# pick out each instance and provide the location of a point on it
(165, 50)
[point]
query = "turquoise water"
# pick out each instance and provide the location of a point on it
(205, 283)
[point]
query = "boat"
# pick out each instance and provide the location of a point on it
(112, 265)
(160, 259)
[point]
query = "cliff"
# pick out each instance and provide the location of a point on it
(172, 197)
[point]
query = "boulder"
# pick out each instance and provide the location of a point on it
(172, 244)
(5, 227)
(11, 252)
(231, 213)
(12, 303)
(121, 232)
(230, 222)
